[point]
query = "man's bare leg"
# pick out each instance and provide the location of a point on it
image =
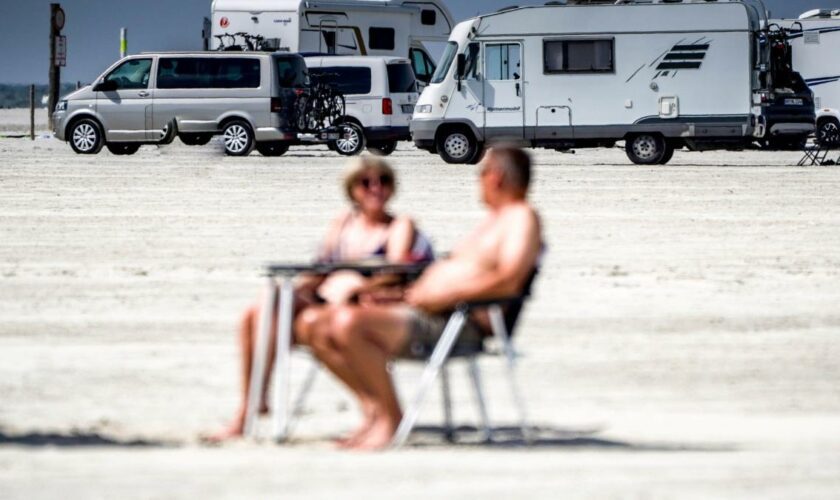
(367, 338)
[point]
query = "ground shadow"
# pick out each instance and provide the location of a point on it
(76, 438)
(544, 437)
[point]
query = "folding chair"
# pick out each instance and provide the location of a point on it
(813, 155)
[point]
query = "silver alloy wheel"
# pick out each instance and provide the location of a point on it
(349, 140)
(457, 145)
(645, 147)
(236, 138)
(84, 137)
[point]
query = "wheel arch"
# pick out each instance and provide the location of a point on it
(73, 120)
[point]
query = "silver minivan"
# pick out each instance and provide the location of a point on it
(248, 97)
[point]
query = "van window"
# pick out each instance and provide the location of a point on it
(132, 74)
(348, 80)
(291, 72)
(208, 73)
(471, 67)
(423, 66)
(445, 62)
(381, 38)
(401, 78)
(503, 61)
(578, 56)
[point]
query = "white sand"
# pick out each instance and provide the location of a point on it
(683, 341)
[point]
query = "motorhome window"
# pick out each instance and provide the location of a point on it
(418, 63)
(445, 62)
(348, 80)
(401, 78)
(578, 56)
(133, 74)
(502, 61)
(428, 17)
(471, 68)
(291, 72)
(381, 38)
(208, 73)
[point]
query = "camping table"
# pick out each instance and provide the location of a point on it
(282, 319)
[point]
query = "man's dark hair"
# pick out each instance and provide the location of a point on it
(515, 164)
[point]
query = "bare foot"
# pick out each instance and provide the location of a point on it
(379, 436)
(354, 437)
(233, 431)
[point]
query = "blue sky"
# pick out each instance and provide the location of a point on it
(93, 26)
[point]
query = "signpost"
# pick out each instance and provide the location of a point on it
(58, 56)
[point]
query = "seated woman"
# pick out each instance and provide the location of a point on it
(366, 231)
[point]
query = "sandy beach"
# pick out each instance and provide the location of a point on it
(682, 342)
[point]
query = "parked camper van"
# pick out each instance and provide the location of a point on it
(658, 75)
(815, 43)
(340, 27)
(380, 94)
(152, 98)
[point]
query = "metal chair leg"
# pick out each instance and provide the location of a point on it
(500, 332)
(448, 430)
(282, 368)
(303, 394)
(260, 358)
(444, 346)
(486, 432)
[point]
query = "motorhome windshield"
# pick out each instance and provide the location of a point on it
(445, 62)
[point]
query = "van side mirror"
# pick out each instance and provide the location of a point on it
(460, 68)
(105, 86)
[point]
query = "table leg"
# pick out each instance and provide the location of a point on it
(282, 371)
(260, 359)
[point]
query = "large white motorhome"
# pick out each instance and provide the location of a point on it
(657, 74)
(335, 27)
(815, 42)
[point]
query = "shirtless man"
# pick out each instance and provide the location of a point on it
(356, 342)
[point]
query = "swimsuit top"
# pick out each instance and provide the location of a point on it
(421, 251)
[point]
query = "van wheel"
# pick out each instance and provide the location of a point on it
(382, 148)
(828, 133)
(122, 148)
(480, 151)
(645, 149)
(273, 148)
(669, 153)
(86, 137)
(457, 146)
(195, 139)
(238, 138)
(351, 140)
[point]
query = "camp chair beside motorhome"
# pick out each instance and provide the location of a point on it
(658, 75)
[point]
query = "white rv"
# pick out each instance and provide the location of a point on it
(348, 27)
(815, 42)
(659, 75)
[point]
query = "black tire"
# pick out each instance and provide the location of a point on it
(272, 148)
(828, 133)
(238, 138)
(478, 156)
(195, 139)
(457, 146)
(669, 153)
(382, 148)
(122, 148)
(645, 149)
(787, 143)
(86, 137)
(351, 141)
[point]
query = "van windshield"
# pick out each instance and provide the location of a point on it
(445, 62)
(401, 78)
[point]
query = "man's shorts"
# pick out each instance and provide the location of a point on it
(424, 331)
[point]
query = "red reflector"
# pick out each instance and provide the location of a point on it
(276, 104)
(387, 107)
(300, 92)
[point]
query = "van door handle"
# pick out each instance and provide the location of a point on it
(518, 90)
(143, 93)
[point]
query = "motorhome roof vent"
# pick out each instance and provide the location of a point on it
(820, 14)
(552, 4)
(511, 7)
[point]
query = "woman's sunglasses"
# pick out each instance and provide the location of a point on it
(383, 180)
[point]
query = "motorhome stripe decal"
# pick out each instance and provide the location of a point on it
(679, 65)
(691, 47)
(685, 57)
(800, 34)
(813, 82)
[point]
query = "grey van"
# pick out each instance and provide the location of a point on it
(248, 97)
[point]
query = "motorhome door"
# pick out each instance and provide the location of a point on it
(504, 91)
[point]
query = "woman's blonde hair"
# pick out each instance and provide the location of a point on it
(360, 166)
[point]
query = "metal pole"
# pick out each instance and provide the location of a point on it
(32, 112)
(123, 42)
(55, 71)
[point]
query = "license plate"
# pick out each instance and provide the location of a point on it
(793, 102)
(408, 108)
(329, 136)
